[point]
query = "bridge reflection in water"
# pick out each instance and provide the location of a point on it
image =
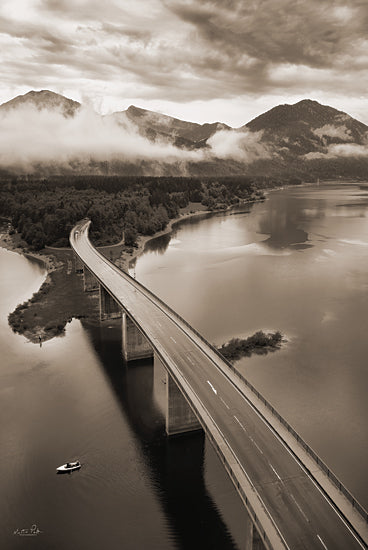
(289, 505)
(183, 470)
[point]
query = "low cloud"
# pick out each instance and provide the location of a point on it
(329, 130)
(340, 150)
(243, 146)
(29, 136)
(348, 150)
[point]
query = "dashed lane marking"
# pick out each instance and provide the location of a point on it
(240, 424)
(275, 471)
(299, 508)
(212, 388)
(224, 402)
(321, 541)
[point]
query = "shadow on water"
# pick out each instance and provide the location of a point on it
(176, 464)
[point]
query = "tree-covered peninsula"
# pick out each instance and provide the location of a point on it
(43, 211)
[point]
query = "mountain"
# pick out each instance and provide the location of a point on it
(43, 100)
(307, 127)
(305, 140)
(156, 125)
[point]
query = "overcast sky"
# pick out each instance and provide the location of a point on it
(226, 60)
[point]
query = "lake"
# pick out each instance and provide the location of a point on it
(297, 263)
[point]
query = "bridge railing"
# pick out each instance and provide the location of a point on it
(334, 479)
(241, 491)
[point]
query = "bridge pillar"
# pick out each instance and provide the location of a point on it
(179, 416)
(89, 281)
(78, 264)
(256, 541)
(109, 309)
(135, 344)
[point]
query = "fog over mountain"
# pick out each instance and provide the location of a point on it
(43, 132)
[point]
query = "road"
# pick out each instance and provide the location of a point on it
(302, 514)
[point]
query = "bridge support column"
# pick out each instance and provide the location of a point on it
(135, 344)
(90, 282)
(109, 309)
(179, 416)
(78, 264)
(256, 540)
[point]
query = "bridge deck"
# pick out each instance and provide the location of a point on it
(293, 510)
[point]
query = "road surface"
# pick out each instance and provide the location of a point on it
(302, 514)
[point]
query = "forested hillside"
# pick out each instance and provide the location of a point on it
(43, 211)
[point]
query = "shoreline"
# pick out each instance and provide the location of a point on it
(61, 297)
(13, 243)
(144, 239)
(183, 216)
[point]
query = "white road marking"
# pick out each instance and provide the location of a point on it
(240, 424)
(240, 464)
(212, 388)
(173, 339)
(258, 447)
(299, 508)
(247, 400)
(321, 541)
(224, 402)
(275, 471)
(190, 360)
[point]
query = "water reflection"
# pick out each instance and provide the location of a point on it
(175, 464)
(282, 222)
(73, 398)
(296, 263)
(160, 244)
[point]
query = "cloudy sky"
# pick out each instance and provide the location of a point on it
(200, 60)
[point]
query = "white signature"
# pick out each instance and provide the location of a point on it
(33, 531)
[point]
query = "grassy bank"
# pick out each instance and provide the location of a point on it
(61, 297)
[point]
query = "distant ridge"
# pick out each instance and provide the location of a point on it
(154, 124)
(305, 140)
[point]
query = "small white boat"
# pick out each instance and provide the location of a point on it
(69, 466)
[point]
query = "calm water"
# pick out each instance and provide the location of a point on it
(74, 398)
(298, 263)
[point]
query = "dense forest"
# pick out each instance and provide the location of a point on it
(44, 210)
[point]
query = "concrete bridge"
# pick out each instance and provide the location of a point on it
(292, 498)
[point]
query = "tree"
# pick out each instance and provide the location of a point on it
(130, 235)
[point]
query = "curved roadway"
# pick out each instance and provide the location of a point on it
(289, 504)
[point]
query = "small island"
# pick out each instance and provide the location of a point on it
(259, 343)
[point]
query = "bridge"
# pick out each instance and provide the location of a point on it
(293, 500)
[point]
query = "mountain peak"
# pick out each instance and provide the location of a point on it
(136, 111)
(307, 113)
(43, 99)
(307, 102)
